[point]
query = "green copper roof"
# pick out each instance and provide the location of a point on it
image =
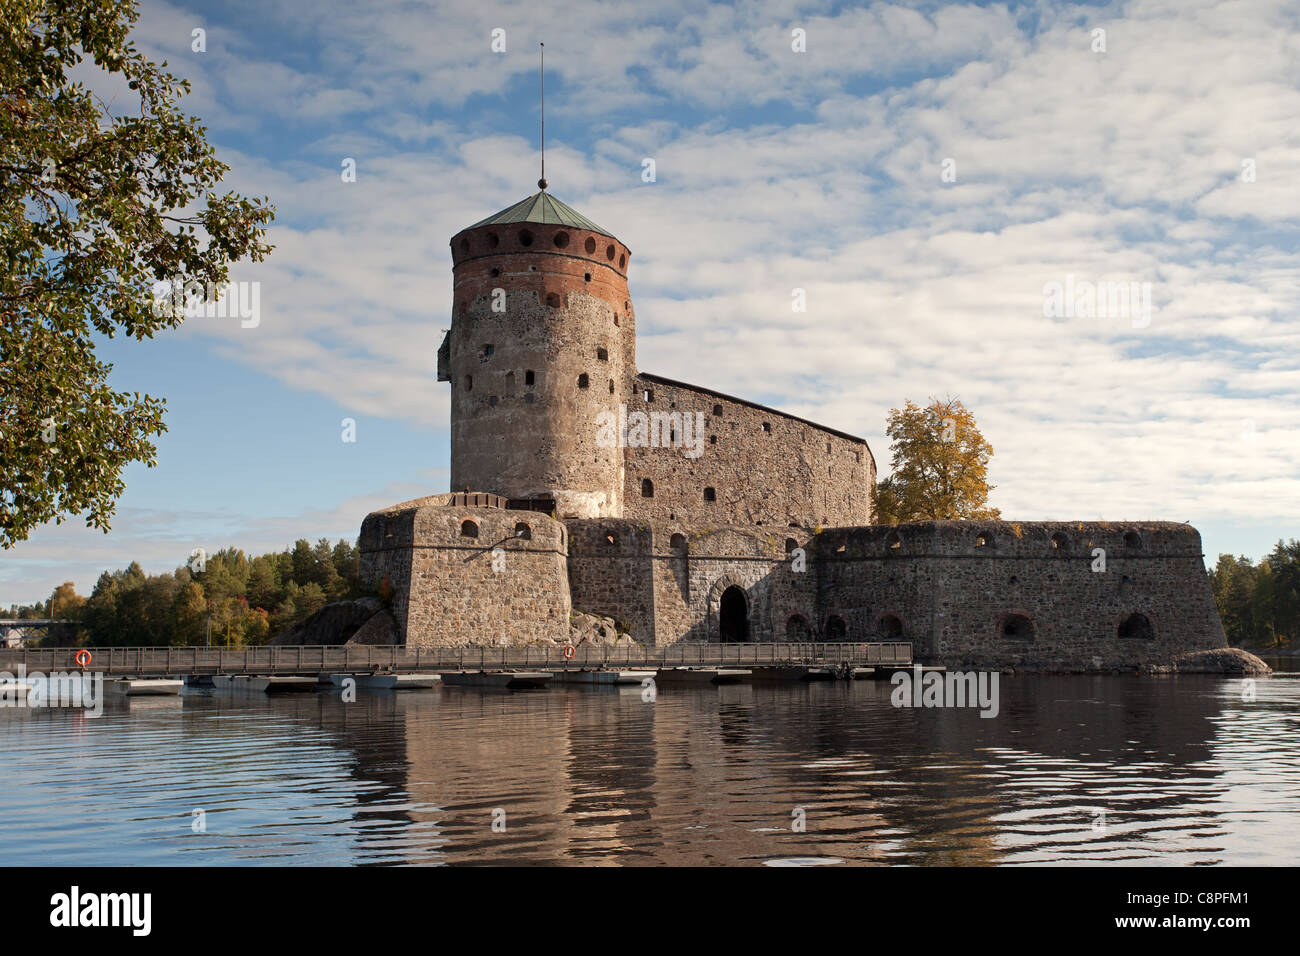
(543, 208)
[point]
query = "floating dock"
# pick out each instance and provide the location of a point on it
(142, 687)
(512, 680)
(389, 681)
(796, 672)
(264, 685)
(702, 675)
(604, 677)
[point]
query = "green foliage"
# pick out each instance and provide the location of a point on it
(98, 202)
(244, 601)
(1259, 603)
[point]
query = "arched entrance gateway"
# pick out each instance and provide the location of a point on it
(733, 617)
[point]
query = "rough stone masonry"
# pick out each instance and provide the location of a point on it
(701, 517)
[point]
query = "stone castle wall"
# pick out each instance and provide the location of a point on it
(1049, 595)
(1040, 595)
(761, 467)
(457, 584)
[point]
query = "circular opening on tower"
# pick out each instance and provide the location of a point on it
(561, 240)
(525, 237)
(493, 240)
(609, 253)
(590, 245)
(622, 261)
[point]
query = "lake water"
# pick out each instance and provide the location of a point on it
(1088, 770)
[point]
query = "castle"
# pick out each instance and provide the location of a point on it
(690, 515)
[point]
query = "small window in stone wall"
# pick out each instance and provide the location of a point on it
(677, 542)
(710, 494)
(583, 381)
(1133, 540)
(790, 545)
(492, 402)
(589, 245)
(1060, 542)
(586, 277)
(835, 628)
(553, 299)
(840, 545)
(767, 427)
(893, 542)
(713, 439)
(611, 386)
(609, 253)
(649, 395)
(523, 531)
(468, 529)
(525, 237)
(602, 355)
(611, 538)
(495, 272)
(561, 240)
(717, 411)
(647, 488)
(529, 378)
(1017, 627)
(469, 383)
(983, 540)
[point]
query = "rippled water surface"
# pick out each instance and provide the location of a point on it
(1073, 769)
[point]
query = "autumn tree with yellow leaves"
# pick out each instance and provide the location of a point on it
(940, 466)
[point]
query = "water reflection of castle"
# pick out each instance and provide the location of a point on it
(706, 778)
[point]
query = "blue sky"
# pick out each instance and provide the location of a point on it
(775, 170)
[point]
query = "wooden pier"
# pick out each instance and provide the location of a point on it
(313, 661)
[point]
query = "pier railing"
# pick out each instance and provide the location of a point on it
(145, 661)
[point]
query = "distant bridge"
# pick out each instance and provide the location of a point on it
(315, 660)
(15, 632)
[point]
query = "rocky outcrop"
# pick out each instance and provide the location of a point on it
(595, 630)
(1225, 660)
(338, 623)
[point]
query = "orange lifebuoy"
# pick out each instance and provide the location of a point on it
(569, 651)
(82, 657)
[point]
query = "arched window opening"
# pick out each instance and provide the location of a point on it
(647, 488)
(529, 378)
(1133, 540)
(797, 630)
(710, 494)
(523, 531)
(1137, 626)
(790, 545)
(1017, 627)
(890, 627)
(893, 542)
(1060, 541)
(836, 629)
(677, 542)
(468, 529)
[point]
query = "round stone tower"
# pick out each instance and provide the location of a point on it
(542, 342)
